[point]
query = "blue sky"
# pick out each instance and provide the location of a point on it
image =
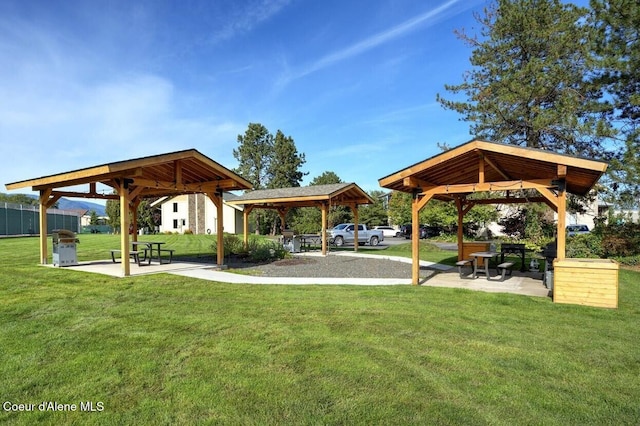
(354, 83)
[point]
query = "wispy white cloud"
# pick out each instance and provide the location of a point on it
(63, 109)
(421, 21)
(245, 18)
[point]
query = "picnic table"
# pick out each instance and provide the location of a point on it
(149, 246)
(486, 256)
(503, 268)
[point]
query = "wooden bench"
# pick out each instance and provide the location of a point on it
(462, 263)
(505, 268)
(133, 253)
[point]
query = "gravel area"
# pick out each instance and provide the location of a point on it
(332, 266)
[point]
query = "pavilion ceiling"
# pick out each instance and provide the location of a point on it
(170, 174)
(480, 165)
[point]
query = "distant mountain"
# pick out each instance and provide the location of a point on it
(67, 204)
(77, 204)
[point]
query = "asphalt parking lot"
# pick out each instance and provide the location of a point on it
(392, 241)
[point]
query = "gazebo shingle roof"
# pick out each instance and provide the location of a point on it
(336, 193)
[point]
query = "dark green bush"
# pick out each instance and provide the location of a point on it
(584, 246)
(258, 249)
(621, 239)
(267, 250)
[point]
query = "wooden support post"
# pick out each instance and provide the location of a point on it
(282, 212)
(134, 217)
(324, 209)
(460, 227)
(216, 198)
(356, 241)
(562, 219)
(220, 231)
(245, 224)
(44, 198)
(416, 205)
(415, 241)
(124, 229)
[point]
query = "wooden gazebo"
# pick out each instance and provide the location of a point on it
(480, 166)
(170, 174)
(321, 196)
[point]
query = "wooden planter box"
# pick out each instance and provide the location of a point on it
(472, 247)
(591, 282)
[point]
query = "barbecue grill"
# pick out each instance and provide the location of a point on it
(517, 249)
(550, 252)
(64, 248)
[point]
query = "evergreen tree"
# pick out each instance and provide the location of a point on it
(617, 48)
(283, 172)
(528, 82)
(254, 154)
(268, 162)
(374, 214)
(284, 167)
(326, 178)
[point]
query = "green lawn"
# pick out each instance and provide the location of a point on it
(164, 349)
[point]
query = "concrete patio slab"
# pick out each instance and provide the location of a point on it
(441, 276)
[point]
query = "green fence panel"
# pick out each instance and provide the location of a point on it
(25, 220)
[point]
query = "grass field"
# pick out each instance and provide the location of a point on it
(164, 349)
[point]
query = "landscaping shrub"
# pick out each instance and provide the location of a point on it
(584, 246)
(267, 250)
(232, 244)
(259, 249)
(621, 240)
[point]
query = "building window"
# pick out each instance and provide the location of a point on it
(175, 207)
(175, 223)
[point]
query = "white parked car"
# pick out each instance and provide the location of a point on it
(388, 231)
(345, 233)
(577, 230)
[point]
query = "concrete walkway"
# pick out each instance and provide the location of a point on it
(442, 276)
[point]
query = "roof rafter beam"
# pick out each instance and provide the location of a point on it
(414, 182)
(86, 195)
(80, 180)
(214, 185)
(177, 171)
(511, 200)
(497, 169)
(491, 186)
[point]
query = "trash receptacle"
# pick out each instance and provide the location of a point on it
(296, 244)
(548, 280)
(64, 248)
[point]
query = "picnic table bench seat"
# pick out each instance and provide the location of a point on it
(505, 268)
(170, 251)
(133, 253)
(462, 263)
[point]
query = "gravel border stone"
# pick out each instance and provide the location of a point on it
(332, 266)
